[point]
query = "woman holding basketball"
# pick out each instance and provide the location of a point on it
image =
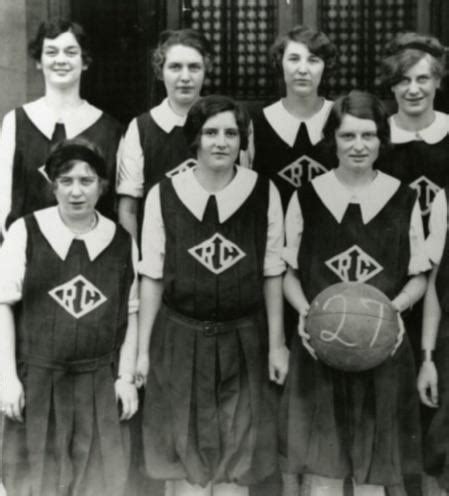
(353, 223)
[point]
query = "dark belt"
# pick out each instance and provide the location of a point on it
(71, 367)
(209, 327)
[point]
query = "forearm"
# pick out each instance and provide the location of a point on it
(150, 302)
(294, 293)
(431, 315)
(411, 292)
(274, 307)
(128, 351)
(127, 214)
(8, 366)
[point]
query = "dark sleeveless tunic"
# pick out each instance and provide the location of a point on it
(70, 325)
(31, 190)
(338, 424)
(288, 167)
(163, 152)
(208, 413)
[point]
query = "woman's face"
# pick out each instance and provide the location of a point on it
(219, 143)
(357, 144)
(302, 70)
(183, 74)
(77, 191)
(61, 60)
(415, 92)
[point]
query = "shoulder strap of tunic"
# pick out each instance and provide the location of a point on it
(143, 122)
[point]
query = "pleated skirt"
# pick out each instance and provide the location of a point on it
(209, 412)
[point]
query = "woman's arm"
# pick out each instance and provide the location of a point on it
(278, 352)
(12, 398)
(428, 378)
(294, 293)
(150, 302)
(410, 293)
(127, 214)
(125, 387)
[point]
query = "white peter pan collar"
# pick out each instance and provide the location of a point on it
(165, 117)
(78, 120)
(60, 237)
(431, 134)
(371, 199)
(229, 199)
(287, 125)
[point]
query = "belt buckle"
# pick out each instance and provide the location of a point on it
(209, 328)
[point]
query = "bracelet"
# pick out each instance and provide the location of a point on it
(127, 377)
(427, 355)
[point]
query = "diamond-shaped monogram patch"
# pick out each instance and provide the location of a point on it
(217, 253)
(182, 167)
(427, 190)
(78, 296)
(303, 168)
(354, 265)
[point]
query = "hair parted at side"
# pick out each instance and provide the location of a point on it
(362, 105)
(209, 106)
(64, 154)
(52, 29)
(187, 37)
(316, 41)
(407, 49)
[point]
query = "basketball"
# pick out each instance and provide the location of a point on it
(352, 326)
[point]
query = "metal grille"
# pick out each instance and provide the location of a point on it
(241, 32)
(360, 29)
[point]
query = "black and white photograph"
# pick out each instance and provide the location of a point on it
(224, 260)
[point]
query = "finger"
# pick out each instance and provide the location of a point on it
(310, 349)
(425, 400)
(281, 377)
(271, 373)
(134, 407)
(125, 409)
(434, 394)
(141, 380)
(15, 412)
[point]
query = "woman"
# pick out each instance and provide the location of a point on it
(413, 70)
(154, 145)
(336, 425)
(211, 330)
(61, 51)
(68, 304)
(287, 132)
(433, 378)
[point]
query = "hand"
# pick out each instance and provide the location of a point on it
(428, 384)
(142, 369)
(12, 399)
(278, 364)
(126, 394)
(401, 333)
(304, 335)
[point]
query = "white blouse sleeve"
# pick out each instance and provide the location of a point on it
(130, 176)
(153, 237)
(437, 228)
(7, 150)
(273, 263)
(419, 261)
(294, 225)
(13, 263)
